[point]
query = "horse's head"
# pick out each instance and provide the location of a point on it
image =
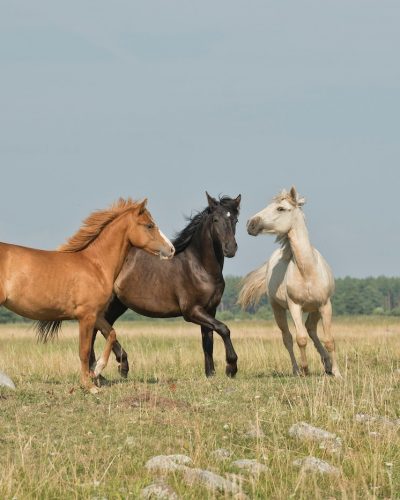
(224, 217)
(278, 217)
(145, 234)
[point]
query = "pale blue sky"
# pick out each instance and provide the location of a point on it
(166, 99)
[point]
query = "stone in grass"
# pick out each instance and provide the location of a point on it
(313, 464)
(250, 465)
(5, 381)
(389, 423)
(158, 491)
(221, 454)
(255, 431)
(166, 463)
(210, 480)
(179, 463)
(306, 432)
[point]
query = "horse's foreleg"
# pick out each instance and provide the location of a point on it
(92, 357)
(109, 334)
(208, 345)
(201, 317)
(301, 334)
(86, 325)
(311, 325)
(281, 321)
(116, 309)
(326, 316)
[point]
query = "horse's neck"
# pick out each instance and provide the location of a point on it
(211, 258)
(303, 253)
(110, 248)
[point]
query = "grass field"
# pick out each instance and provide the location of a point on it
(58, 442)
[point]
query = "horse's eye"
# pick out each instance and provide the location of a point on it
(280, 209)
(150, 225)
(215, 219)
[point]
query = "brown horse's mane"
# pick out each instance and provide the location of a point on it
(93, 225)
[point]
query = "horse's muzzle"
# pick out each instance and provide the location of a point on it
(230, 250)
(167, 254)
(253, 226)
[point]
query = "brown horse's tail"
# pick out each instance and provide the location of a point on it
(254, 285)
(47, 330)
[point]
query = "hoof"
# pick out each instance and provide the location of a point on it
(231, 370)
(100, 380)
(123, 371)
(210, 374)
(94, 390)
(304, 371)
(328, 366)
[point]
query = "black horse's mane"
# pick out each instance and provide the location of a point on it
(184, 237)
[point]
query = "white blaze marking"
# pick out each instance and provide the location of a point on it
(165, 239)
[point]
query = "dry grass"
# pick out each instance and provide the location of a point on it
(58, 442)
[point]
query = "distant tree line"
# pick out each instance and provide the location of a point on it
(353, 296)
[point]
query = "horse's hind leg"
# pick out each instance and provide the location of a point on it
(281, 321)
(311, 325)
(208, 345)
(326, 316)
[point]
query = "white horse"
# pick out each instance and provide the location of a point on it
(296, 278)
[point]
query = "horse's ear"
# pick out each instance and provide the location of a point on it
(293, 194)
(142, 206)
(237, 200)
(301, 202)
(212, 202)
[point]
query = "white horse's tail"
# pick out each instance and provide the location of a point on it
(254, 285)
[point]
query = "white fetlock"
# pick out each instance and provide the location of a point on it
(100, 365)
(336, 373)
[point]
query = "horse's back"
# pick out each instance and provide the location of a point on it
(147, 284)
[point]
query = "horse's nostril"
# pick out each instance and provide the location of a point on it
(252, 225)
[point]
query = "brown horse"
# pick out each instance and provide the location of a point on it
(76, 281)
(189, 285)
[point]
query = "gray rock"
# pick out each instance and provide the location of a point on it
(168, 463)
(5, 381)
(364, 418)
(313, 464)
(158, 491)
(221, 454)
(250, 465)
(179, 463)
(306, 432)
(210, 480)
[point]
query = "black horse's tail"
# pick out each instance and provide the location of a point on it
(47, 330)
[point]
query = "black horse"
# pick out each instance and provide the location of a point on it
(189, 285)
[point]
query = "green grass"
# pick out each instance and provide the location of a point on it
(58, 442)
